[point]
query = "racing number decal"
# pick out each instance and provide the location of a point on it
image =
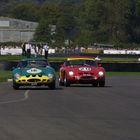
(34, 71)
(85, 69)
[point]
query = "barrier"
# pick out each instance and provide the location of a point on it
(109, 67)
(18, 51)
(121, 51)
(122, 67)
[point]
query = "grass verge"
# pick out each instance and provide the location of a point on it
(120, 60)
(122, 74)
(62, 59)
(5, 75)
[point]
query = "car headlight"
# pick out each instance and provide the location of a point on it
(71, 73)
(50, 75)
(101, 73)
(17, 75)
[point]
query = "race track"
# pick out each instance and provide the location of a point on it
(72, 113)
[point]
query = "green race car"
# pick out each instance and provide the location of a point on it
(33, 72)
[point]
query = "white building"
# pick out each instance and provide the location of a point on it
(14, 30)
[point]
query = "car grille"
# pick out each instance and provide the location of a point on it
(86, 77)
(34, 80)
(86, 73)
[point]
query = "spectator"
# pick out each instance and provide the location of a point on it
(39, 46)
(28, 49)
(23, 49)
(46, 48)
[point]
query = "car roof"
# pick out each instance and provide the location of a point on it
(80, 58)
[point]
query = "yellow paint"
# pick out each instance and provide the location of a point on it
(80, 58)
(24, 79)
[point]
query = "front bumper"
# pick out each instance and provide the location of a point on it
(34, 80)
(85, 79)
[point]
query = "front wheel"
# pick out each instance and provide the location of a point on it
(61, 83)
(52, 85)
(15, 86)
(102, 83)
(95, 84)
(66, 82)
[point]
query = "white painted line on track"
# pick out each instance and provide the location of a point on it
(9, 80)
(26, 96)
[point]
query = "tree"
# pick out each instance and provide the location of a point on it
(50, 12)
(136, 23)
(107, 21)
(48, 15)
(26, 11)
(92, 22)
(67, 22)
(84, 22)
(118, 17)
(43, 33)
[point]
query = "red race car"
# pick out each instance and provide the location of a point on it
(81, 70)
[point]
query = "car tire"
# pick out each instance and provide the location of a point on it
(61, 83)
(66, 82)
(52, 85)
(15, 86)
(95, 84)
(102, 83)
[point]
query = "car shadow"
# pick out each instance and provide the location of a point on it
(39, 88)
(83, 86)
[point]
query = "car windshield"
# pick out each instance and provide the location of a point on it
(33, 63)
(81, 63)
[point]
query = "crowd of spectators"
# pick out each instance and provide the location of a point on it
(25, 49)
(44, 49)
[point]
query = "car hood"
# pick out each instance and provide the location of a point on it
(83, 68)
(34, 71)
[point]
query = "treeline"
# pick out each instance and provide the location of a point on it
(83, 22)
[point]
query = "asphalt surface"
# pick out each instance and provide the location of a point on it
(72, 113)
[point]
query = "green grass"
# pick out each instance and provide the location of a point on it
(10, 57)
(17, 58)
(57, 59)
(5, 75)
(121, 60)
(61, 59)
(122, 74)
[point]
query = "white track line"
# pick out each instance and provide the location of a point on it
(26, 96)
